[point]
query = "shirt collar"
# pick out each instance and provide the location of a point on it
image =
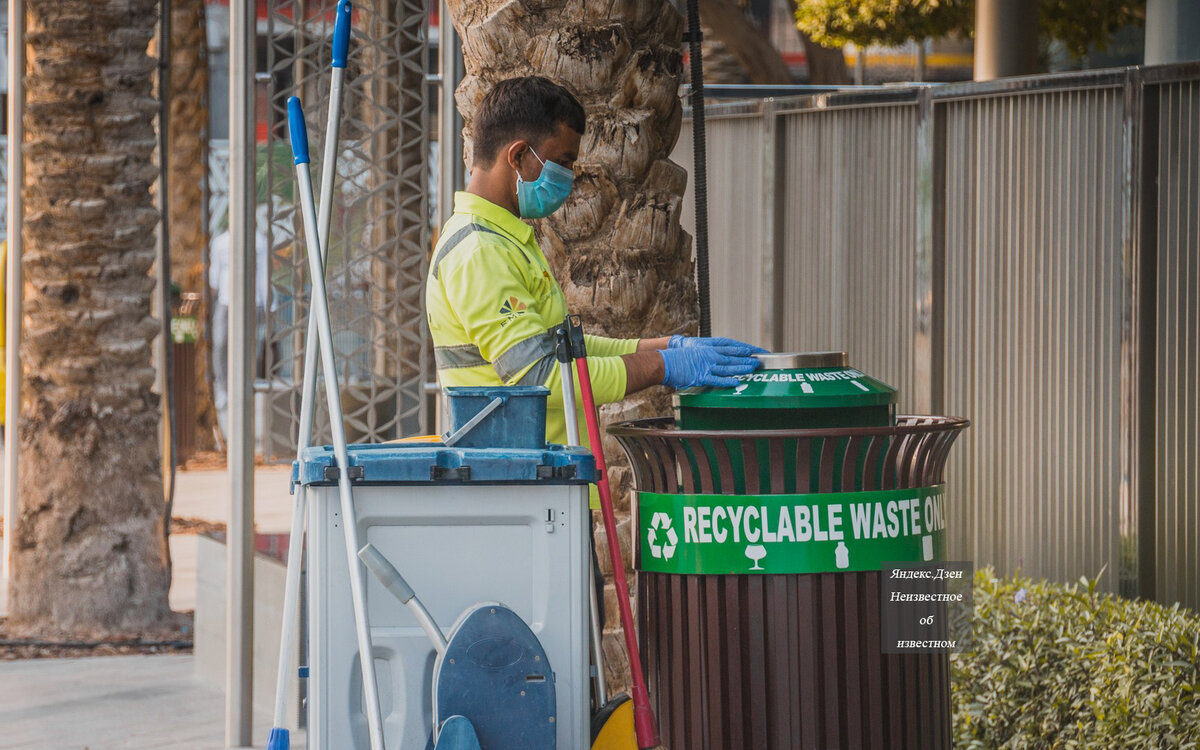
(501, 218)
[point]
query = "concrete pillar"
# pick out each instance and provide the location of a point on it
(1006, 38)
(239, 648)
(1172, 31)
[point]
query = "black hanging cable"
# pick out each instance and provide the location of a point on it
(699, 164)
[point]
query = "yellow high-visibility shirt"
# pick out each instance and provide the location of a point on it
(493, 305)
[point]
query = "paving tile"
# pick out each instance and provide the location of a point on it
(97, 703)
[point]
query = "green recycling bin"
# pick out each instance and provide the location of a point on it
(759, 541)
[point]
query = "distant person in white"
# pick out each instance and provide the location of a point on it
(218, 280)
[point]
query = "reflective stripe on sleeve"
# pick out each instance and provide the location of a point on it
(461, 355)
(522, 354)
(538, 374)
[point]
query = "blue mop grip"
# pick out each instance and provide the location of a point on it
(278, 740)
(341, 34)
(298, 130)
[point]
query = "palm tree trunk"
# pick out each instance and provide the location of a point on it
(187, 129)
(90, 553)
(727, 24)
(616, 247)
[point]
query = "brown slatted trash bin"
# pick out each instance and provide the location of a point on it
(758, 600)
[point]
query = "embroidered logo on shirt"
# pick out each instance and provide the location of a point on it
(511, 308)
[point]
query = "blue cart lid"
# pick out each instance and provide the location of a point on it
(433, 463)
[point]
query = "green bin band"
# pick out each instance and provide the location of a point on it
(838, 532)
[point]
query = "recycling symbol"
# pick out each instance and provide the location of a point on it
(661, 523)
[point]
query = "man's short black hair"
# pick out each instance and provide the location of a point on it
(529, 108)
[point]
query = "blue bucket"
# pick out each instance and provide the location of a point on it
(519, 421)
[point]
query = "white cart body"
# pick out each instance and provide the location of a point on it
(512, 528)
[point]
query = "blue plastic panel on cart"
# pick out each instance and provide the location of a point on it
(432, 463)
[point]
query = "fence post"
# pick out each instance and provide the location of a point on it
(929, 338)
(772, 258)
(1139, 340)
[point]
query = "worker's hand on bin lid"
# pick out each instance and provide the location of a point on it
(731, 347)
(705, 365)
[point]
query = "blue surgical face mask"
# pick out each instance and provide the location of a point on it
(543, 196)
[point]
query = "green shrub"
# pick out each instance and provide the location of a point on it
(1054, 666)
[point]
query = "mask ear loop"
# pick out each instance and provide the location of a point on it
(521, 179)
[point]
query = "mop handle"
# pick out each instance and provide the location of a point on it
(291, 603)
(644, 722)
(337, 75)
(320, 309)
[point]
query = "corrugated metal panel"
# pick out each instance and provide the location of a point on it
(1177, 403)
(1033, 309)
(849, 239)
(1027, 199)
(735, 207)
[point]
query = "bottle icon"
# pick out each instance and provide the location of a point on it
(842, 555)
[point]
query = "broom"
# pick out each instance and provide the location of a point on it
(644, 723)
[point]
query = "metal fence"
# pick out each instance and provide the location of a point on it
(1023, 252)
(380, 236)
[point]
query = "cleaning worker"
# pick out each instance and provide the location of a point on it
(492, 301)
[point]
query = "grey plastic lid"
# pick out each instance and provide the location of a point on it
(802, 360)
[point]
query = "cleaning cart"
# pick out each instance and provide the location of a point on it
(466, 525)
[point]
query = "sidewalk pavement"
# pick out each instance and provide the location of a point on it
(140, 702)
(110, 702)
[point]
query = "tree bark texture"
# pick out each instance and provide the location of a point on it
(725, 22)
(90, 552)
(187, 168)
(616, 246)
(720, 65)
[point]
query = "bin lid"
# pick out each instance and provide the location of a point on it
(433, 463)
(804, 380)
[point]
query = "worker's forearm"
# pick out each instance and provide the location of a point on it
(643, 369)
(648, 345)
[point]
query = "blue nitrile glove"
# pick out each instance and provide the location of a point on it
(704, 365)
(727, 346)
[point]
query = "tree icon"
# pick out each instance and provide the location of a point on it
(661, 524)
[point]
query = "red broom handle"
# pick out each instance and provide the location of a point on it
(644, 722)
